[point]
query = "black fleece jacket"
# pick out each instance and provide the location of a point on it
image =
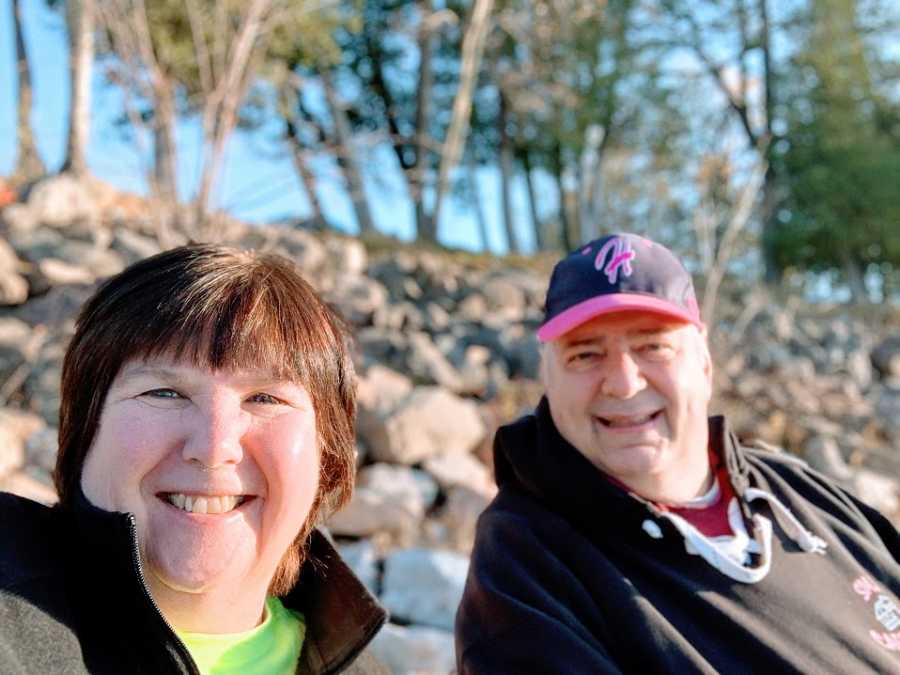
(568, 577)
(73, 600)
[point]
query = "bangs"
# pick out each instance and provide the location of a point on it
(238, 328)
(258, 315)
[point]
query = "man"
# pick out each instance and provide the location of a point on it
(632, 534)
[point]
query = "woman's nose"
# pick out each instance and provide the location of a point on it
(622, 377)
(217, 434)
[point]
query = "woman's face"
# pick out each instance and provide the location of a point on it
(219, 468)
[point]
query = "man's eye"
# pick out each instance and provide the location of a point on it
(657, 349)
(583, 358)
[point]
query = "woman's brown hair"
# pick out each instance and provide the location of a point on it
(217, 308)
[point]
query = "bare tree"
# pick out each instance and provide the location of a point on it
(80, 16)
(227, 41)
(346, 156)
(454, 143)
(28, 161)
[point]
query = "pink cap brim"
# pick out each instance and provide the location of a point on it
(609, 304)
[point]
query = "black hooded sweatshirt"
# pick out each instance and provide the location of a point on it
(571, 574)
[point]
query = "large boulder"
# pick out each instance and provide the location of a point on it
(428, 422)
(451, 469)
(415, 650)
(886, 357)
(387, 498)
(360, 557)
(13, 286)
(61, 200)
(424, 586)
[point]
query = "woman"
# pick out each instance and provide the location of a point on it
(206, 426)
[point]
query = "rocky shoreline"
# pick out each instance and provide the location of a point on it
(445, 353)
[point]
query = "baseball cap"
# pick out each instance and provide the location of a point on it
(617, 273)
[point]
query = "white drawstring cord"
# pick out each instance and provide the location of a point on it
(729, 555)
(804, 538)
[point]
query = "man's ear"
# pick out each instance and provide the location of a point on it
(705, 356)
(543, 350)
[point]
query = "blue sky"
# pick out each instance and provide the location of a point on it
(258, 182)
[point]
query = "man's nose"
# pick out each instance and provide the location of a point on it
(622, 377)
(217, 434)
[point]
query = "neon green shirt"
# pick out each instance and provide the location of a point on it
(272, 648)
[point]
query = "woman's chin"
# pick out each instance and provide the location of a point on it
(193, 573)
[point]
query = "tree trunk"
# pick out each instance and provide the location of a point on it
(539, 239)
(299, 153)
(471, 168)
(773, 274)
(506, 175)
(165, 175)
(855, 279)
(565, 223)
(346, 157)
(454, 144)
(426, 228)
(28, 162)
(80, 17)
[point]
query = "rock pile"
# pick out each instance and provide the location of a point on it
(446, 351)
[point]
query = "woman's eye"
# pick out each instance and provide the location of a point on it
(264, 398)
(162, 393)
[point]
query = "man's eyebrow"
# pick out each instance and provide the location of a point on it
(598, 340)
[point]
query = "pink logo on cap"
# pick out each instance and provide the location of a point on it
(622, 255)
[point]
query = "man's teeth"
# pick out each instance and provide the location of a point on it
(205, 504)
(616, 422)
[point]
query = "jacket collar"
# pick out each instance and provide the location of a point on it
(341, 615)
(530, 455)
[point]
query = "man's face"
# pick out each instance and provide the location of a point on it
(220, 470)
(630, 391)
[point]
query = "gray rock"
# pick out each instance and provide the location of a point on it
(887, 410)
(473, 308)
(859, 366)
(415, 650)
(12, 451)
(428, 364)
(347, 256)
(459, 515)
(460, 469)
(58, 273)
(387, 499)
(61, 200)
(358, 298)
(304, 249)
(430, 421)
(878, 491)
(41, 448)
(360, 557)
(380, 389)
(886, 357)
(18, 217)
(424, 586)
(823, 454)
(133, 246)
(505, 297)
(13, 287)
(20, 483)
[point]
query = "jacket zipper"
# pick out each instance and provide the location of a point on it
(139, 569)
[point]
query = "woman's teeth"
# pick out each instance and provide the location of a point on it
(193, 504)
